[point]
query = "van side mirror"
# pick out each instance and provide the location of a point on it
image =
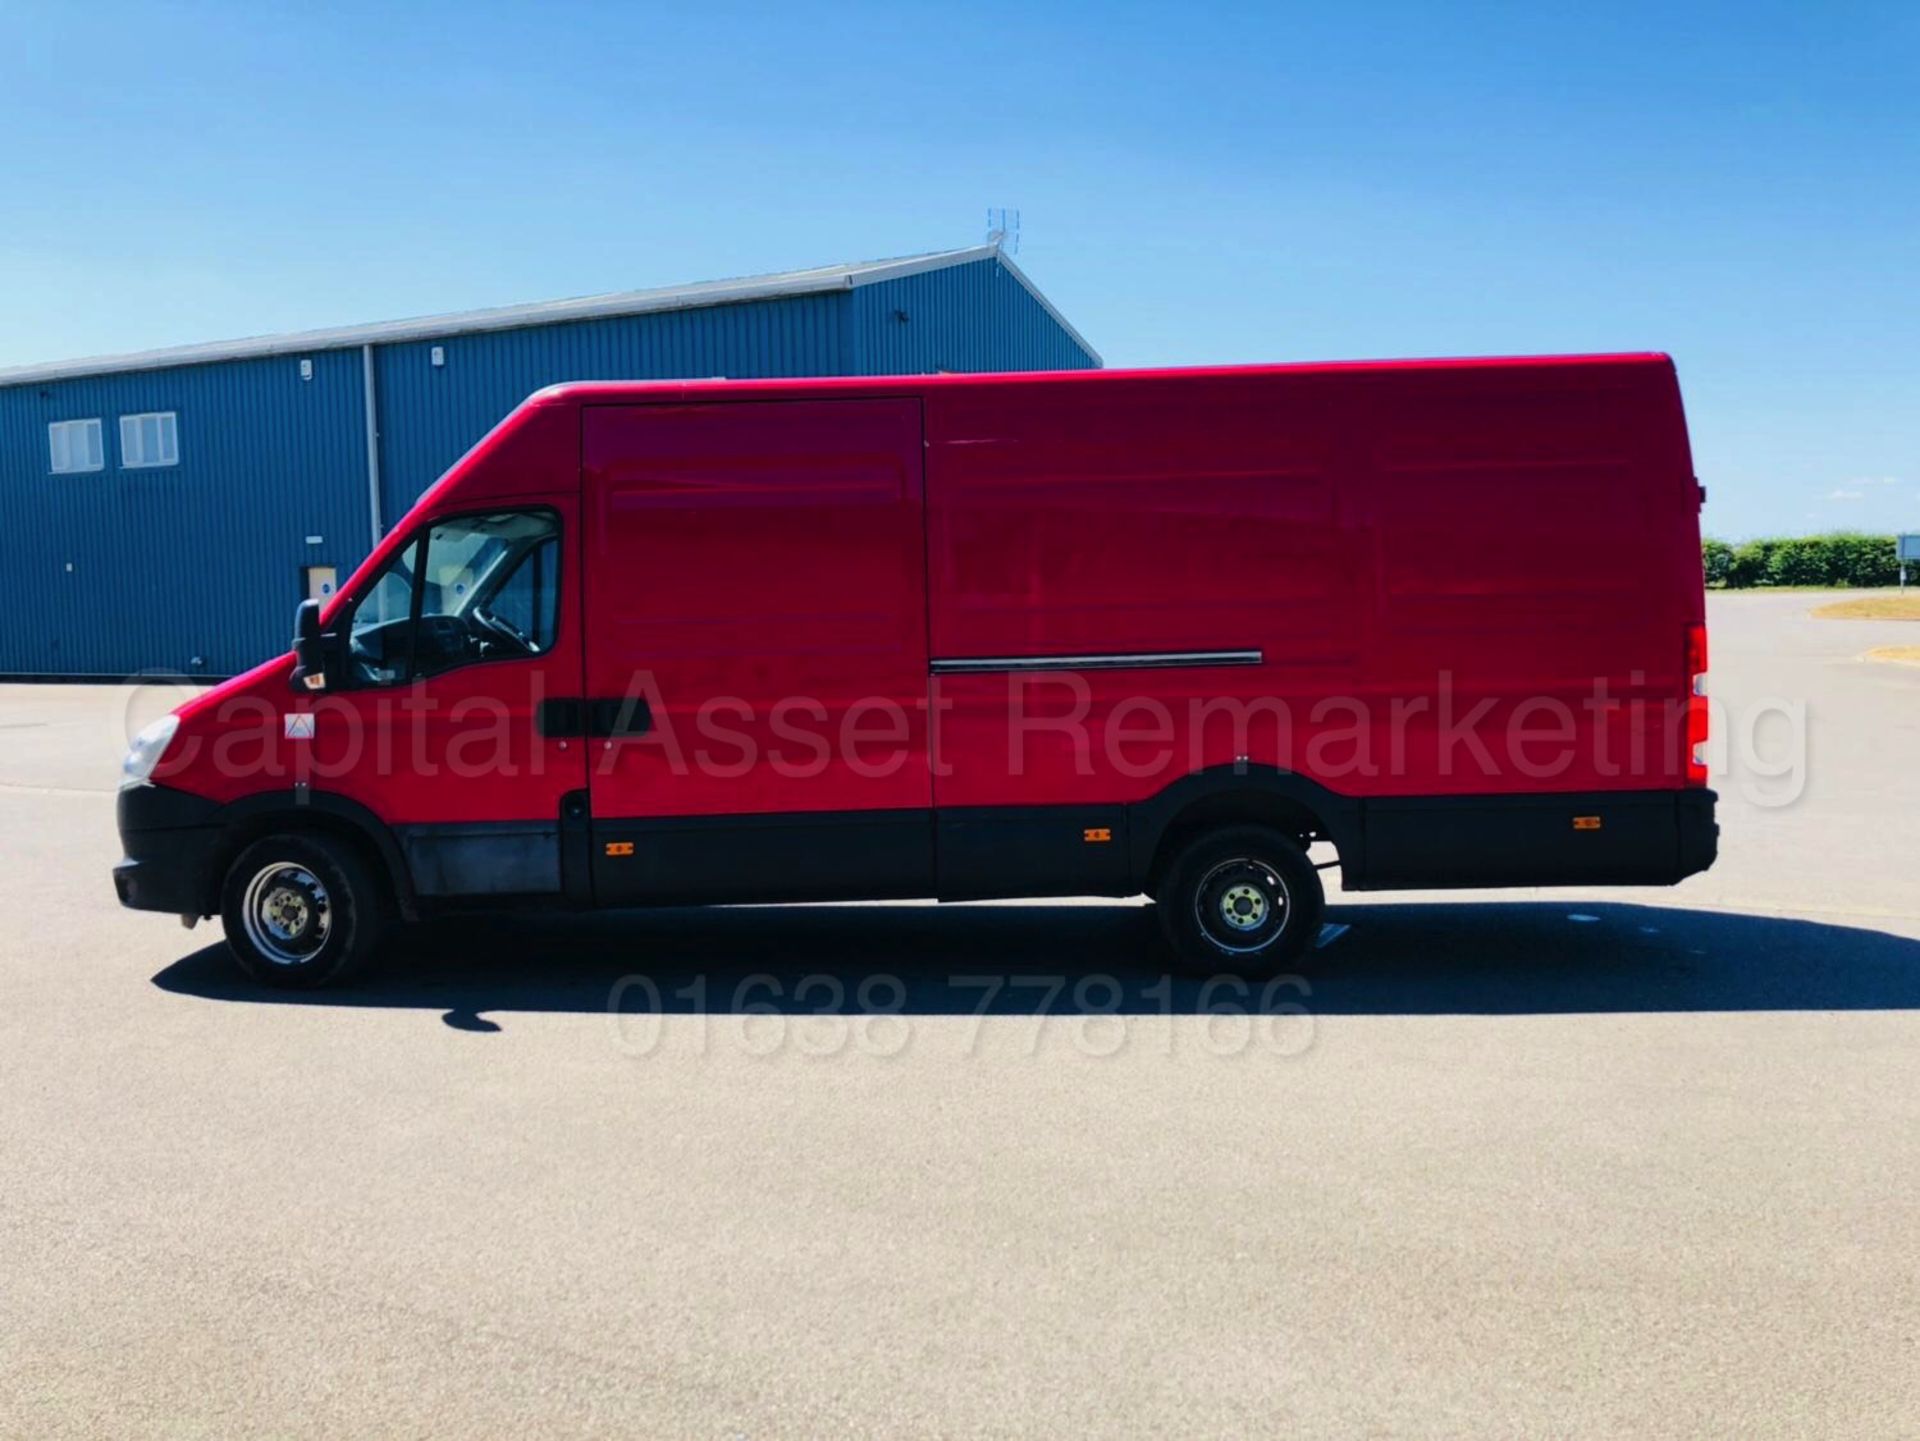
(314, 668)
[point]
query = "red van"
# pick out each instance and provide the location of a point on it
(978, 636)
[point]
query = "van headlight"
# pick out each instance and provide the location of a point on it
(145, 752)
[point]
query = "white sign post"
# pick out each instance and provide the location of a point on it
(1909, 549)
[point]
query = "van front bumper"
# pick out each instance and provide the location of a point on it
(169, 848)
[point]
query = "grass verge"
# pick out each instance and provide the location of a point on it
(1872, 607)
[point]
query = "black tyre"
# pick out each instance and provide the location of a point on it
(1243, 899)
(303, 910)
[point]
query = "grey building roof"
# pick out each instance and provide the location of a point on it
(513, 317)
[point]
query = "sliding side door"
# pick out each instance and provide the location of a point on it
(756, 663)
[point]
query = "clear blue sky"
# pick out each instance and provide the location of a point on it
(1737, 184)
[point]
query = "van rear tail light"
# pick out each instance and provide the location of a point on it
(1696, 705)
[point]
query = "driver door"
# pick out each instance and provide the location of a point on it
(439, 730)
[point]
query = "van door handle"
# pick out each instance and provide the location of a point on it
(605, 718)
(626, 716)
(559, 719)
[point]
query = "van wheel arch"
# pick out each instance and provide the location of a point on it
(1235, 796)
(246, 821)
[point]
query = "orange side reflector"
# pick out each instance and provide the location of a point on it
(1586, 823)
(619, 848)
(1093, 835)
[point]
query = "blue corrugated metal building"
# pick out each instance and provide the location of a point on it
(162, 509)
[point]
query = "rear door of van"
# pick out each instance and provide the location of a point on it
(756, 660)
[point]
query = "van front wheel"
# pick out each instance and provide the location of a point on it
(1244, 899)
(302, 910)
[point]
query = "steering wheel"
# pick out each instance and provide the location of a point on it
(505, 629)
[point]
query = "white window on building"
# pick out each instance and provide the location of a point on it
(147, 440)
(74, 445)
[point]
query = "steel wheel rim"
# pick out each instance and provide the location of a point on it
(286, 913)
(1242, 905)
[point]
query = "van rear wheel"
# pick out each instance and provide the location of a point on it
(302, 910)
(1243, 899)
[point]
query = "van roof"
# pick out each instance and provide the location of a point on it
(604, 391)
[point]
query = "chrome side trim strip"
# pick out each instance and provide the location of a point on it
(1135, 660)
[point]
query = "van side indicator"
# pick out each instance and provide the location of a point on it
(1095, 835)
(1586, 823)
(1132, 660)
(619, 848)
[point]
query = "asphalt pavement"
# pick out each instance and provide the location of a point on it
(1521, 1163)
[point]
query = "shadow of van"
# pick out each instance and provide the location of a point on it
(1501, 958)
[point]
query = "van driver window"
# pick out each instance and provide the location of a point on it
(379, 632)
(486, 588)
(525, 598)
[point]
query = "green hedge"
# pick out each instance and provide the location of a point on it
(1841, 559)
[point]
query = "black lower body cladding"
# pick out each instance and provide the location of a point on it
(1597, 838)
(175, 843)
